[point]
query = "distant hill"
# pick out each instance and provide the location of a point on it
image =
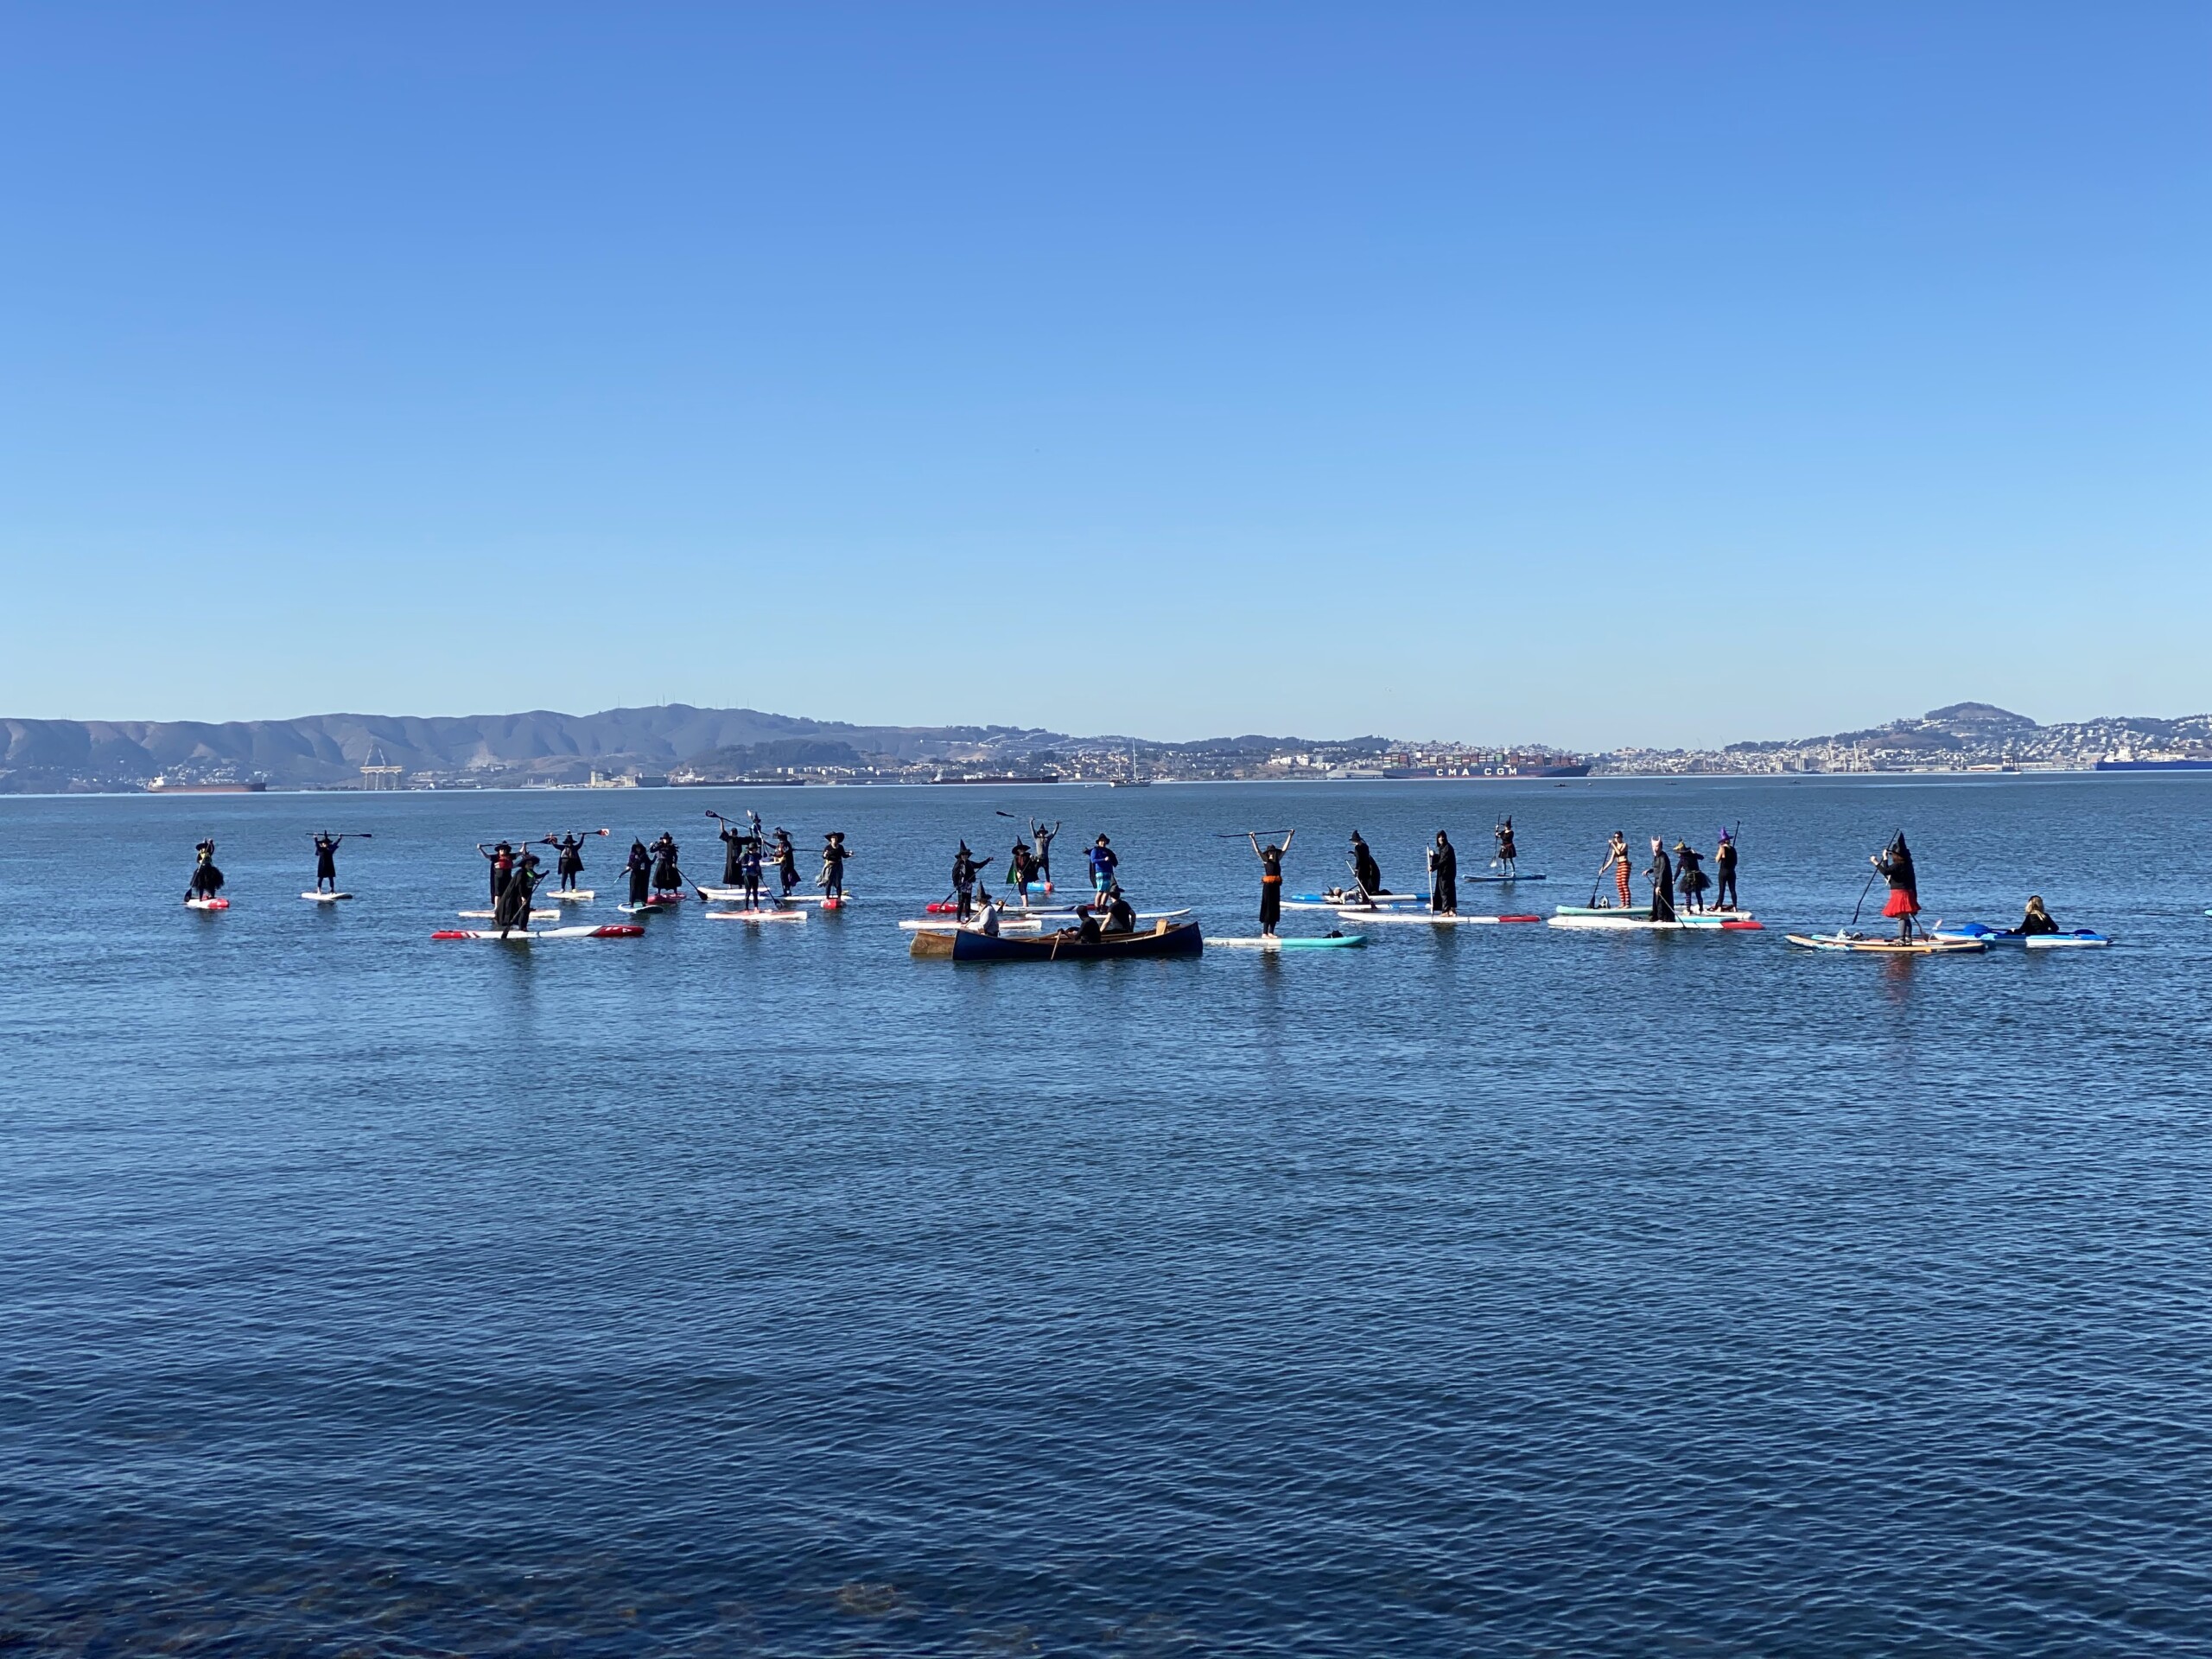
(1980, 733)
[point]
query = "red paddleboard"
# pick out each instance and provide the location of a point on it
(208, 904)
(1520, 919)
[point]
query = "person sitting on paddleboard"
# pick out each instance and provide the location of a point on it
(1724, 866)
(571, 863)
(1895, 862)
(1444, 876)
(502, 856)
(1505, 850)
(206, 880)
(786, 861)
(1661, 874)
(326, 861)
(1616, 861)
(833, 869)
(640, 867)
(1270, 858)
(1040, 838)
(1366, 873)
(963, 881)
(2037, 919)
(667, 878)
(1103, 863)
(1689, 877)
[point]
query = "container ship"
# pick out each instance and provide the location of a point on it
(1511, 765)
(164, 786)
(2153, 766)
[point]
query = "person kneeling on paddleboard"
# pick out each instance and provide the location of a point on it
(206, 880)
(1895, 864)
(2037, 919)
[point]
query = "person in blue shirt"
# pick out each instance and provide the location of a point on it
(1103, 865)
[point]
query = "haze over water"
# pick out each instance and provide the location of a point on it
(737, 1290)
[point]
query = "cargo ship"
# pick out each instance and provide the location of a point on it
(1506, 768)
(2153, 766)
(164, 786)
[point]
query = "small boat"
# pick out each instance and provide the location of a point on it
(1015, 922)
(1921, 947)
(1165, 939)
(2080, 938)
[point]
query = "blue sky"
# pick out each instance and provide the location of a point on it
(1598, 374)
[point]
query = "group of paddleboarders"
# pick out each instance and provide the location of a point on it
(1676, 882)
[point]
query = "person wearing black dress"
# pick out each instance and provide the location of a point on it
(1661, 874)
(1689, 877)
(206, 879)
(1270, 857)
(1444, 876)
(641, 869)
(667, 878)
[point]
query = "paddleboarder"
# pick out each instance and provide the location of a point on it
(1616, 861)
(1040, 838)
(1270, 857)
(964, 869)
(502, 856)
(640, 867)
(206, 880)
(2037, 919)
(1104, 864)
(1689, 876)
(326, 861)
(832, 878)
(667, 878)
(570, 864)
(749, 869)
(1021, 871)
(1724, 869)
(1661, 874)
(1444, 875)
(512, 910)
(786, 861)
(1366, 873)
(1894, 863)
(1505, 850)
(733, 840)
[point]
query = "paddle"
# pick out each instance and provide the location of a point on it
(1239, 835)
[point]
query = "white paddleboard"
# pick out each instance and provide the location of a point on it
(207, 903)
(536, 915)
(756, 915)
(520, 935)
(1362, 917)
(568, 895)
(326, 898)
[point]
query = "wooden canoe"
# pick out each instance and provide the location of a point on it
(1068, 946)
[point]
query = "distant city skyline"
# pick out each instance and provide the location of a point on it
(1593, 376)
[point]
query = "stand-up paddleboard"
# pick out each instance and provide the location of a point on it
(2080, 938)
(1327, 942)
(1733, 913)
(755, 915)
(1889, 947)
(536, 915)
(1501, 880)
(207, 903)
(326, 898)
(736, 896)
(568, 895)
(524, 936)
(1338, 898)
(1618, 923)
(1434, 918)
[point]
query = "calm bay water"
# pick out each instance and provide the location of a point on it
(737, 1290)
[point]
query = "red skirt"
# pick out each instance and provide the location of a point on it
(1901, 903)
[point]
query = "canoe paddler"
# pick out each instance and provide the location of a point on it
(1724, 870)
(786, 857)
(1661, 874)
(1040, 838)
(570, 864)
(2037, 919)
(1894, 863)
(988, 922)
(1444, 876)
(1616, 861)
(1689, 878)
(1270, 857)
(326, 861)
(206, 880)
(1366, 873)
(834, 854)
(1506, 852)
(1121, 915)
(640, 866)
(667, 877)
(502, 857)
(1104, 864)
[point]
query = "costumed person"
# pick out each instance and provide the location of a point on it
(513, 911)
(1894, 863)
(1616, 861)
(963, 881)
(641, 869)
(1040, 838)
(749, 871)
(326, 861)
(1270, 857)
(732, 838)
(833, 869)
(1505, 850)
(1366, 873)
(1661, 874)
(1444, 876)
(1020, 869)
(1104, 864)
(502, 856)
(667, 878)
(1689, 876)
(206, 880)
(2037, 919)
(786, 861)
(988, 922)
(571, 864)
(1724, 868)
